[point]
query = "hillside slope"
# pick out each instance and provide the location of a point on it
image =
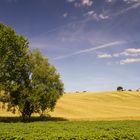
(99, 106)
(96, 106)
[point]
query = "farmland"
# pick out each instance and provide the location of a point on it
(85, 116)
(99, 106)
(96, 106)
(68, 130)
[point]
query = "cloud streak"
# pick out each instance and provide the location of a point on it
(133, 6)
(131, 54)
(93, 15)
(129, 61)
(111, 44)
(128, 52)
(104, 56)
(79, 3)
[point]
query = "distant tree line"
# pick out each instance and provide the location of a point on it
(120, 88)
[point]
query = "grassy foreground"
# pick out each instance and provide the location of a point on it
(73, 130)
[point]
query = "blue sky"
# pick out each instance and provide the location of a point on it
(94, 44)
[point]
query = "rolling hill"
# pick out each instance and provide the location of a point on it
(99, 106)
(96, 106)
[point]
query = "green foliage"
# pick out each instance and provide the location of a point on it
(64, 130)
(30, 83)
(14, 68)
(45, 81)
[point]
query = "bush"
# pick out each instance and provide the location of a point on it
(119, 88)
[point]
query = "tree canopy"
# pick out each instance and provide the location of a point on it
(28, 81)
(119, 88)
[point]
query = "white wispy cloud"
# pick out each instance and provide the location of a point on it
(93, 15)
(79, 3)
(129, 60)
(87, 2)
(102, 16)
(133, 52)
(70, 0)
(126, 1)
(66, 25)
(65, 15)
(131, 56)
(109, 1)
(104, 55)
(131, 4)
(134, 4)
(130, 1)
(111, 44)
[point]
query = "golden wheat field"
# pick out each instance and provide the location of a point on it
(96, 106)
(99, 106)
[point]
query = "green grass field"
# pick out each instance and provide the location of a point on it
(71, 130)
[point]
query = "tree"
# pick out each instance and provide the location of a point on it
(45, 81)
(14, 68)
(30, 83)
(119, 88)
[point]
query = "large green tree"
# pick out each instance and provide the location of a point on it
(28, 81)
(45, 81)
(14, 67)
